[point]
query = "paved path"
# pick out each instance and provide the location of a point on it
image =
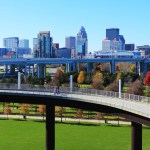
(67, 119)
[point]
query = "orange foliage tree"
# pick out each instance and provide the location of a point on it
(7, 110)
(42, 110)
(81, 77)
(147, 79)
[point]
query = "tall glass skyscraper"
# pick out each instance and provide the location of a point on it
(11, 42)
(44, 45)
(70, 42)
(82, 42)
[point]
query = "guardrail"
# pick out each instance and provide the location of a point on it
(76, 90)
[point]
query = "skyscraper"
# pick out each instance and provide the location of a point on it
(118, 41)
(24, 43)
(70, 42)
(112, 33)
(11, 42)
(44, 45)
(82, 42)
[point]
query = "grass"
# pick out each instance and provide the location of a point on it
(22, 135)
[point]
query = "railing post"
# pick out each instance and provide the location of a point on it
(119, 88)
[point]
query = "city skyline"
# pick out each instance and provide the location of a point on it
(24, 19)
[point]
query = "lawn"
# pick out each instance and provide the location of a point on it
(30, 135)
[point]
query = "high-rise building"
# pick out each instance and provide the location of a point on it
(56, 45)
(11, 42)
(82, 42)
(118, 41)
(112, 33)
(44, 45)
(24, 43)
(129, 47)
(70, 42)
(108, 45)
(121, 38)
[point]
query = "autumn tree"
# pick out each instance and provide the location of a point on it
(136, 88)
(98, 116)
(59, 111)
(79, 114)
(81, 77)
(97, 81)
(147, 79)
(131, 68)
(114, 86)
(24, 109)
(57, 77)
(42, 110)
(119, 76)
(7, 110)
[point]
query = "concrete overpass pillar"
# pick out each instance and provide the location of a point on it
(137, 67)
(6, 69)
(33, 71)
(145, 68)
(89, 67)
(136, 136)
(50, 127)
(12, 69)
(112, 63)
(68, 67)
(41, 71)
(74, 67)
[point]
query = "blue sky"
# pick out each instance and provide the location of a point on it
(25, 18)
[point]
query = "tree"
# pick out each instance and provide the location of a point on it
(131, 68)
(113, 86)
(97, 81)
(119, 75)
(42, 110)
(7, 110)
(79, 114)
(24, 109)
(59, 111)
(57, 77)
(136, 88)
(98, 116)
(147, 79)
(81, 77)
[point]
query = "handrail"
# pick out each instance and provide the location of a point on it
(86, 91)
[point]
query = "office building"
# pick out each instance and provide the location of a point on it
(107, 45)
(145, 49)
(112, 33)
(11, 42)
(82, 42)
(63, 53)
(24, 43)
(122, 40)
(129, 47)
(56, 45)
(44, 45)
(70, 42)
(118, 41)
